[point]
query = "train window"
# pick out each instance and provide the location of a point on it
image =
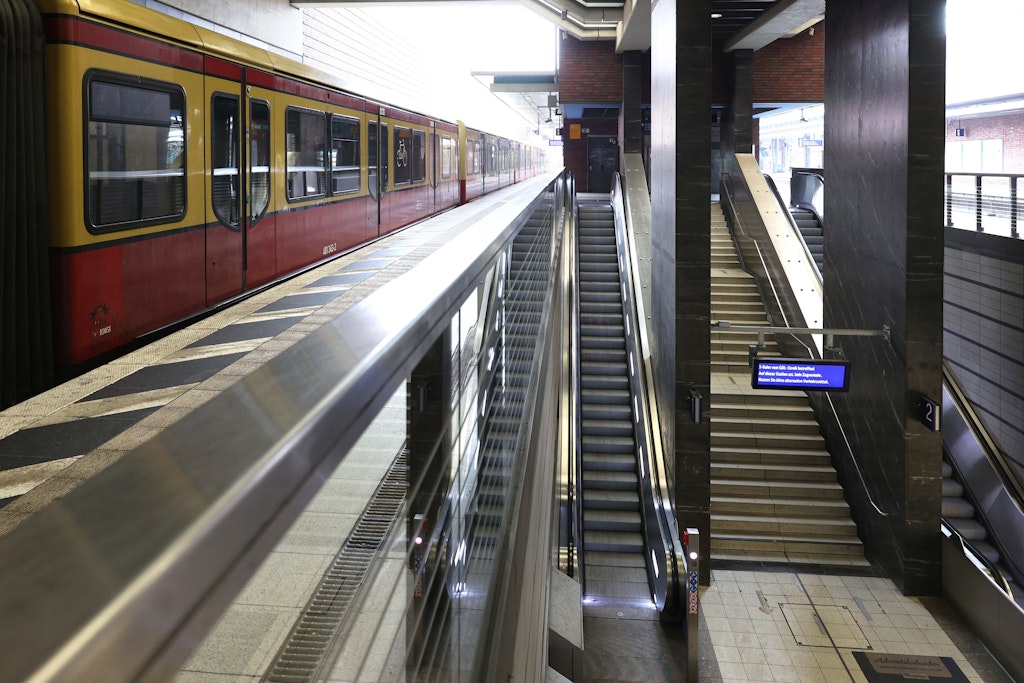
(478, 159)
(419, 156)
(224, 158)
(446, 157)
(259, 158)
(403, 154)
(344, 154)
(135, 152)
(305, 145)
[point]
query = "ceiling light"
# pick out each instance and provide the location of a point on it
(716, 15)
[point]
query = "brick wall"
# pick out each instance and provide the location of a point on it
(792, 69)
(1006, 127)
(589, 71)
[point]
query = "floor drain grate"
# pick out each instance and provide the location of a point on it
(305, 649)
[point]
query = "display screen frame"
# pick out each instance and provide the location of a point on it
(835, 373)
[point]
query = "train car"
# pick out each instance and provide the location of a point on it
(187, 168)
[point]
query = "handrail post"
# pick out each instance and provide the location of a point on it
(1013, 208)
(692, 540)
(977, 202)
(949, 200)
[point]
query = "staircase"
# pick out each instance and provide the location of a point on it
(774, 492)
(613, 541)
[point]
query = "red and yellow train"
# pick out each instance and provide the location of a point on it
(191, 168)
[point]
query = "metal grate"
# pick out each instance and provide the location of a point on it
(305, 650)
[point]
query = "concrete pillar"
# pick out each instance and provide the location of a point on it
(631, 135)
(884, 119)
(681, 247)
(738, 126)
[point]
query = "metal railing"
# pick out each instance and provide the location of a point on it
(984, 202)
(120, 579)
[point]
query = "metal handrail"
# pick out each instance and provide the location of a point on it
(198, 505)
(1010, 204)
(793, 226)
(811, 354)
(977, 556)
(1006, 471)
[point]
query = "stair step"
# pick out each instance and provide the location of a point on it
(764, 424)
(787, 507)
(956, 508)
(612, 520)
(771, 456)
(610, 499)
(790, 527)
(810, 475)
(766, 440)
(608, 481)
(821, 544)
(613, 541)
(775, 489)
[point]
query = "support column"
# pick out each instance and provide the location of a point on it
(632, 132)
(738, 126)
(884, 117)
(681, 249)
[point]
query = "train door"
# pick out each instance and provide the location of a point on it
(259, 231)
(379, 208)
(433, 171)
(225, 225)
(237, 254)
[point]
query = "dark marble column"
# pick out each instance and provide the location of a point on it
(884, 118)
(632, 132)
(681, 246)
(738, 123)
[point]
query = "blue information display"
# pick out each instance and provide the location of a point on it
(802, 374)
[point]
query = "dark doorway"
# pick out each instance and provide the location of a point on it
(602, 162)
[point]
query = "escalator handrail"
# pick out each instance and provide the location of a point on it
(667, 533)
(1013, 484)
(793, 226)
(977, 556)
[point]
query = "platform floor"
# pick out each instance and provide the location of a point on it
(52, 442)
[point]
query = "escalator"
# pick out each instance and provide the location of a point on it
(809, 225)
(613, 542)
(634, 569)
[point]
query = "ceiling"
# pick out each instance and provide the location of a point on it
(735, 25)
(738, 24)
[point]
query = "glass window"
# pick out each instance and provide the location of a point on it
(446, 156)
(403, 154)
(305, 146)
(419, 156)
(478, 157)
(135, 152)
(224, 161)
(344, 154)
(259, 158)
